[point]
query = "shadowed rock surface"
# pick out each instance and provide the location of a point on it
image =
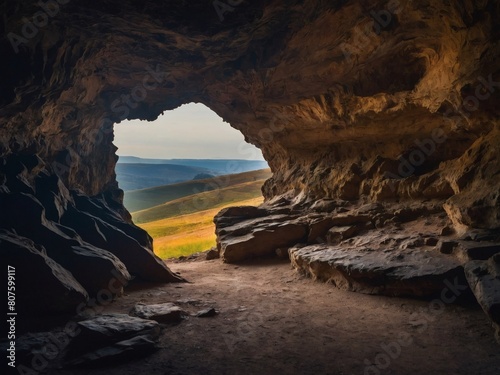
(375, 271)
(111, 338)
(55, 289)
(162, 313)
(357, 106)
(484, 278)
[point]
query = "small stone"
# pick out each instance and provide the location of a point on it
(162, 313)
(213, 253)
(206, 313)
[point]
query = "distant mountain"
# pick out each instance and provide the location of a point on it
(214, 166)
(134, 176)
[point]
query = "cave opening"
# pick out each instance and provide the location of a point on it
(178, 171)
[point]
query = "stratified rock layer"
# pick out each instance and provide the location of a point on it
(394, 272)
(71, 245)
(55, 290)
(241, 236)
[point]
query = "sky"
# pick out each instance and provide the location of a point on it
(192, 131)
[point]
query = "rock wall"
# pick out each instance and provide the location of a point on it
(369, 101)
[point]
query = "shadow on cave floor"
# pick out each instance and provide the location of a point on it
(271, 320)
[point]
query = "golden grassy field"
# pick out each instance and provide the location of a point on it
(200, 202)
(187, 234)
(184, 224)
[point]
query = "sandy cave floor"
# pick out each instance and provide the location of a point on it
(272, 320)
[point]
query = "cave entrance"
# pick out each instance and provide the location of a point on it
(180, 170)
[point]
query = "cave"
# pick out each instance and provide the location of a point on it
(379, 121)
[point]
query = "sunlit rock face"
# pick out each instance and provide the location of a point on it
(371, 101)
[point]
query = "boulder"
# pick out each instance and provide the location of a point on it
(79, 257)
(109, 329)
(231, 215)
(393, 271)
(259, 239)
(139, 260)
(101, 206)
(249, 232)
(26, 216)
(42, 285)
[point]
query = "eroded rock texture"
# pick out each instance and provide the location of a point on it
(355, 101)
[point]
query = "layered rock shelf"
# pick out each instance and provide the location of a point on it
(390, 249)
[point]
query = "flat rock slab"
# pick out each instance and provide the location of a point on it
(126, 350)
(484, 280)
(258, 237)
(162, 313)
(106, 330)
(393, 272)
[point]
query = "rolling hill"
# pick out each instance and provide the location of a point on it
(183, 224)
(146, 198)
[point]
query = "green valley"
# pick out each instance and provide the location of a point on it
(179, 216)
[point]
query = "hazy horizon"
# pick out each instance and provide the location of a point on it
(143, 158)
(192, 131)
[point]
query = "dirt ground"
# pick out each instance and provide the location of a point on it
(272, 320)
